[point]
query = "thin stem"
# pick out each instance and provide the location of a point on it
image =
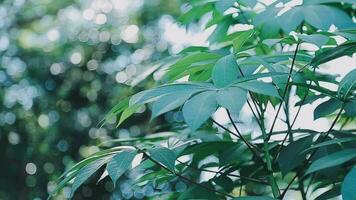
(234, 134)
(309, 184)
(187, 179)
(285, 90)
(226, 129)
(222, 173)
(239, 133)
(271, 179)
(294, 120)
(315, 150)
(301, 188)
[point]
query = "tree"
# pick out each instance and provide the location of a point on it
(260, 68)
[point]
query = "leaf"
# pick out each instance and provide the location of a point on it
(225, 182)
(253, 198)
(119, 164)
(153, 94)
(326, 108)
(327, 1)
(350, 109)
(347, 84)
(291, 156)
(257, 76)
(260, 88)
(127, 113)
(86, 172)
(221, 6)
(331, 142)
(198, 192)
(317, 39)
(232, 98)
(332, 193)
(346, 49)
(181, 65)
(199, 108)
(225, 71)
(241, 39)
(170, 101)
(164, 156)
(332, 160)
(220, 31)
(348, 186)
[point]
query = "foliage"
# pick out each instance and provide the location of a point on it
(62, 66)
(261, 69)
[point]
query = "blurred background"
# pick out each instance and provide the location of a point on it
(63, 66)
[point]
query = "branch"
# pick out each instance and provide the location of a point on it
(315, 150)
(228, 174)
(284, 92)
(187, 179)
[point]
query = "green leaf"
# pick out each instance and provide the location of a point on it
(253, 198)
(221, 6)
(317, 39)
(199, 108)
(327, 1)
(225, 182)
(181, 65)
(128, 112)
(332, 160)
(331, 142)
(220, 31)
(291, 156)
(326, 108)
(348, 186)
(346, 49)
(232, 98)
(260, 88)
(225, 71)
(350, 109)
(330, 194)
(347, 84)
(87, 171)
(153, 94)
(170, 101)
(198, 192)
(164, 156)
(119, 164)
(241, 39)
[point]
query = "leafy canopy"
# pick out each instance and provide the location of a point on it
(260, 68)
